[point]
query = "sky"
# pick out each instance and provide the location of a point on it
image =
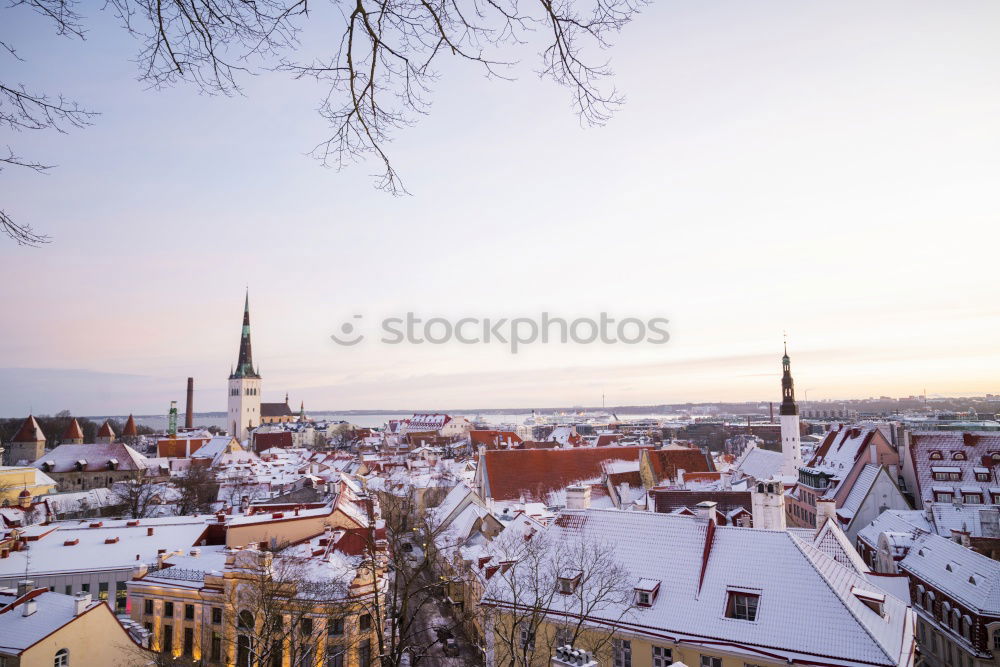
(823, 169)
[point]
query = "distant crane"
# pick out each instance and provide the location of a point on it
(172, 420)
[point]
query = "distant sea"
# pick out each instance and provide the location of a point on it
(159, 423)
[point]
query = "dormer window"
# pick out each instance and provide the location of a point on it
(936, 456)
(742, 605)
(958, 456)
(646, 591)
(871, 599)
(567, 583)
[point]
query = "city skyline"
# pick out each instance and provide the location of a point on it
(728, 195)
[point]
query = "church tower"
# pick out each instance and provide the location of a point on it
(244, 385)
(791, 445)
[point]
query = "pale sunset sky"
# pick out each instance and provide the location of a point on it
(828, 169)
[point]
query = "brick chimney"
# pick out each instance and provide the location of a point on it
(189, 412)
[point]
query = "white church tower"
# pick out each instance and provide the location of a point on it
(244, 386)
(791, 444)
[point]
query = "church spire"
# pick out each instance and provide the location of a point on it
(244, 364)
(788, 405)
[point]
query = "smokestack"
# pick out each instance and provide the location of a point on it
(189, 416)
(770, 407)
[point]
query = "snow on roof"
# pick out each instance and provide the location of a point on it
(90, 550)
(974, 448)
(54, 610)
(796, 583)
(841, 447)
(760, 464)
(894, 521)
(218, 445)
(862, 485)
(951, 568)
(94, 457)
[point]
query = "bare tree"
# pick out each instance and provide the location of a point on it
(137, 495)
(563, 584)
(274, 603)
(198, 490)
(378, 75)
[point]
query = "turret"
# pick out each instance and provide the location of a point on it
(106, 434)
(791, 445)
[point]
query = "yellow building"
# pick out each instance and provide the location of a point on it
(15, 479)
(40, 628)
(308, 605)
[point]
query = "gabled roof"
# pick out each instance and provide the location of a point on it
(53, 611)
(534, 473)
(30, 431)
(73, 431)
(276, 410)
(669, 500)
(760, 464)
(862, 485)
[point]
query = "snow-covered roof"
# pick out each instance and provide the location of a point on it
(93, 458)
(958, 572)
(102, 544)
(806, 607)
(53, 611)
(760, 464)
(862, 485)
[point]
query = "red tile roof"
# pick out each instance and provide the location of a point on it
(536, 472)
(30, 431)
(664, 463)
(493, 438)
(130, 427)
(262, 441)
(106, 431)
(73, 431)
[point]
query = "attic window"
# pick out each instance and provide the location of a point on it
(958, 456)
(742, 605)
(972, 579)
(935, 456)
(646, 591)
(872, 600)
(568, 583)
(948, 567)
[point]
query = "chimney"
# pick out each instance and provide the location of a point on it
(726, 481)
(25, 586)
(149, 531)
(29, 607)
(767, 500)
(770, 407)
(873, 453)
(189, 414)
(82, 601)
(706, 511)
(826, 508)
(680, 477)
(961, 537)
(578, 497)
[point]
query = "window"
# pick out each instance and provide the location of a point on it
(168, 609)
(942, 497)
(958, 456)
(365, 622)
(996, 639)
(216, 652)
(935, 456)
(365, 654)
(306, 626)
(147, 606)
(188, 641)
(102, 590)
(642, 598)
(85, 588)
(972, 498)
(216, 615)
(69, 590)
(622, 651)
(335, 656)
(189, 612)
(564, 636)
(742, 606)
(527, 637)
(982, 477)
(710, 661)
(168, 639)
(121, 596)
(335, 627)
(662, 656)
(62, 658)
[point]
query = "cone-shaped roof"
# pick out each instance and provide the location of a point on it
(73, 431)
(30, 431)
(130, 427)
(106, 431)
(244, 363)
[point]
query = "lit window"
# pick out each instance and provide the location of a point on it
(62, 658)
(742, 606)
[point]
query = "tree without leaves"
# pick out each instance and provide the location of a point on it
(522, 592)
(198, 490)
(378, 76)
(136, 495)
